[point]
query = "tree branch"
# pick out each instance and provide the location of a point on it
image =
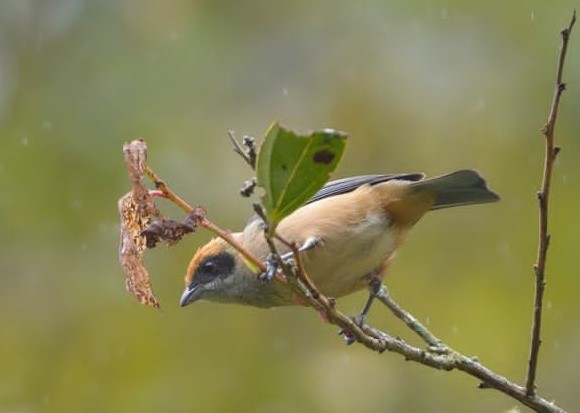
(437, 354)
(434, 343)
(550, 154)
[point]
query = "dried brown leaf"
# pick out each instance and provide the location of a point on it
(167, 230)
(137, 211)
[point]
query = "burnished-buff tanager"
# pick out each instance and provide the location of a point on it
(350, 231)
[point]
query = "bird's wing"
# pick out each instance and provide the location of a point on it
(345, 185)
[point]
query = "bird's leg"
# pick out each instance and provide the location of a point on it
(310, 243)
(272, 263)
(374, 288)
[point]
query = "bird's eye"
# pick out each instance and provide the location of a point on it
(219, 265)
(209, 267)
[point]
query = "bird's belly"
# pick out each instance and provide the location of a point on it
(342, 265)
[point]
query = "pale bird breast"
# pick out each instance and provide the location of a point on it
(356, 235)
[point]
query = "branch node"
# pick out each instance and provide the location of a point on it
(195, 217)
(259, 210)
(565, 33)
(249, 153)
(561, 87)
(531, 391)
(248, 187)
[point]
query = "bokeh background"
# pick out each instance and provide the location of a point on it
(427, 86)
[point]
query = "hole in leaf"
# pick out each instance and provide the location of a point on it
(324, 156)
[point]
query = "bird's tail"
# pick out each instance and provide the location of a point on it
(457, 188)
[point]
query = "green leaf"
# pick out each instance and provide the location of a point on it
(292, 168)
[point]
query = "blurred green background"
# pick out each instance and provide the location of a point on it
(427, 86)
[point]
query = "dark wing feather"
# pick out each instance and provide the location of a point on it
(345, 185)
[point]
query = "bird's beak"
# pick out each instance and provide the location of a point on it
(190, 294)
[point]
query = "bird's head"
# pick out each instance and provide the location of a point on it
(217, 272)
(214, 273)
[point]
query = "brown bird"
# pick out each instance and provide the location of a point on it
(349, 232)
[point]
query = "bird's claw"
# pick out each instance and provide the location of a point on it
(348, 339)
(271, 269)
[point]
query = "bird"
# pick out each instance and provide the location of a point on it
(348, 234)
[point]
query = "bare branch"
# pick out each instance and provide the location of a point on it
(437, 354)
(550, 154)
(166, 191)
(249, 153)
(433, 342)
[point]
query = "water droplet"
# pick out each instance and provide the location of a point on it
(284, 91)
(533, 16)
(46, 124)
(76, 204)
(479, 105)
(281, 345)
(24, 141)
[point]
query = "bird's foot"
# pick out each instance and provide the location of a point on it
(360, 319)
(272, 264)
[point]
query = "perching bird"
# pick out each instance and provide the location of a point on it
(350, 231)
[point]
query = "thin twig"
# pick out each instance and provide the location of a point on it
(301, 272)
(439, 355)
(543, 200)
(166, 191)
(448, 360)
(227, 236)
(249, 154)
(203, 221)
(432, 341)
